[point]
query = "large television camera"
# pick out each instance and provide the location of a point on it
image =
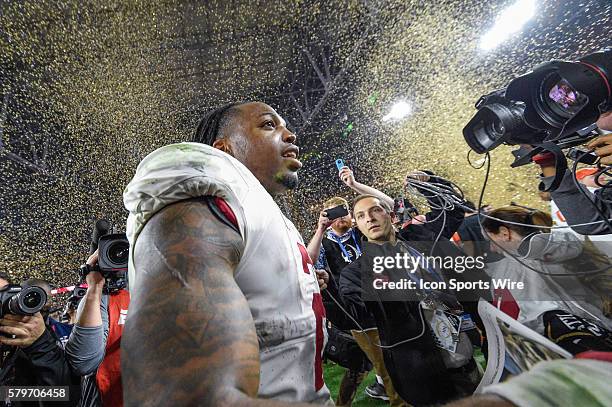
(113, 254)
(557, 103)
(18, 300)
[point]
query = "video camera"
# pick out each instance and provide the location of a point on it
(113, 254)
(558, 102)
(18, 300)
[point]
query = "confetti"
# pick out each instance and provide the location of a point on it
(88, 88)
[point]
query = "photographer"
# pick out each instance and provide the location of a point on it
(94, 346)
(60, 330)
(33, 355)
(334, 245)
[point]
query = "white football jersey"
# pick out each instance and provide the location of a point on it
(275, 273)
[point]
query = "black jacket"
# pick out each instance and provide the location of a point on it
(42, 364)
(416, 367)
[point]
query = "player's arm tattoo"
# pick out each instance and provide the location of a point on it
(190, 337)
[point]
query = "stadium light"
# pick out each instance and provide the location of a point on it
(398, 111)
(508, 23)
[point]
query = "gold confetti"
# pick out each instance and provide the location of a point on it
(89, 88)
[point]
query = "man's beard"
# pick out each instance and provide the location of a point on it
(342, 226)
(289, 180)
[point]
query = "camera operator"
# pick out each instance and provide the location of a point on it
(34, 354)
(93, 349)
(558, 105)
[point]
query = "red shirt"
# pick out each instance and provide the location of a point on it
(108, 377)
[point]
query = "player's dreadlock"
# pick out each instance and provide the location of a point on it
(212, 124)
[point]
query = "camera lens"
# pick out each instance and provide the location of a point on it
(32, 299)
(28, 301)
(118, 252)
(497, 127)
(494, 124)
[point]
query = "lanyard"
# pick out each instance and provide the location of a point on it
(344, 251)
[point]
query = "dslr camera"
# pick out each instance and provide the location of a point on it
(75, 298)
(558, 102)
(18, 300)
(73, 303)
(113, 254)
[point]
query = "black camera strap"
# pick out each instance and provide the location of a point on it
(560, 165)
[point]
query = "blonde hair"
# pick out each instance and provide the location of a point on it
(335, 201)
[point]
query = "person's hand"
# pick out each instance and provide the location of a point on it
(323, 222)
(94, 279)
(416, 175)
(26, 329)
(419, 220)
(323, 278)
(603, 148)
(347, 176)
(605, 121)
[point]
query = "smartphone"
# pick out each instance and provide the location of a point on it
(339, 163)
(336, 212)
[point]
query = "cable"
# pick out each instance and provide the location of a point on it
(433, 246)
(598, 175)
(446, 196)
(361, 329)
(487, 162)
(470, 151)
(538, 226)
(482, 191)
